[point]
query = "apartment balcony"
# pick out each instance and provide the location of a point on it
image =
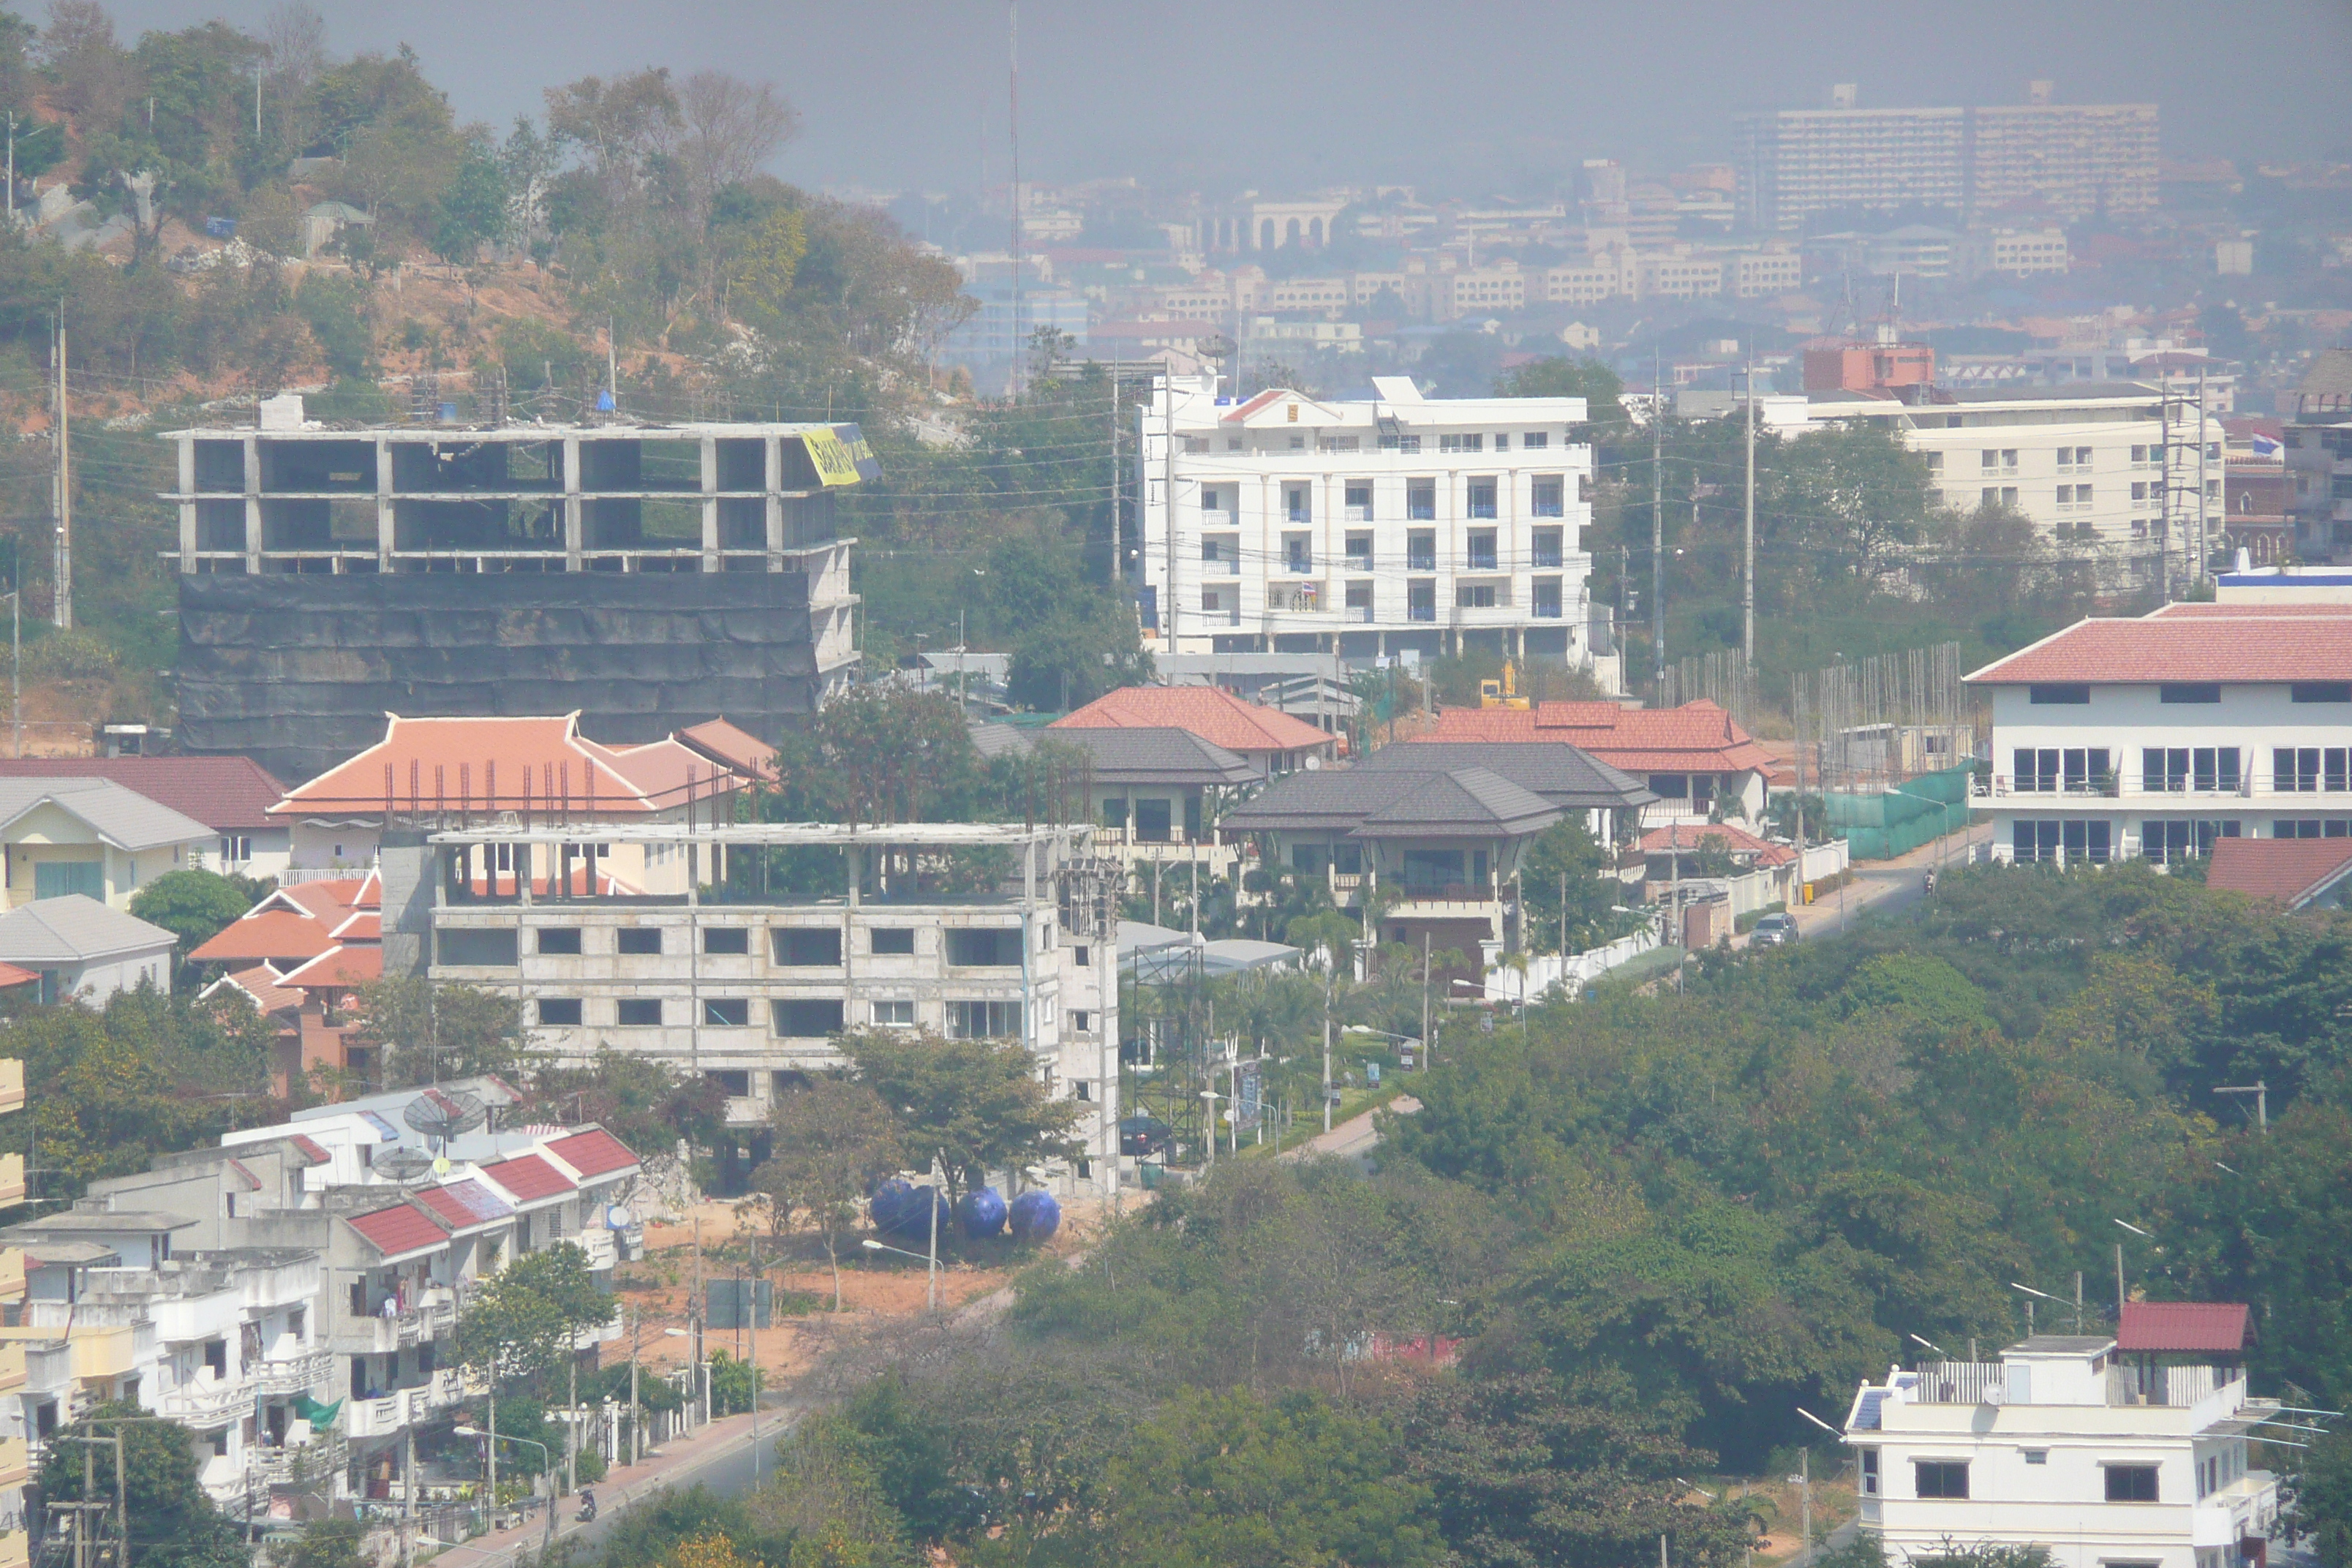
(390, 1414)
(324, 1456)
(1296, 599)
(1429, 900)
(295, 1374)
(430, 1319)
(208, 1402)
(1357, 513)
(15, 1462)
(1501, 613)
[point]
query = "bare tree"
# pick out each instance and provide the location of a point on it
(729, 127)
(96, 77)
(296, 36)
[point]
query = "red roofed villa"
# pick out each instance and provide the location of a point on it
(1271, 740)
(1694, 757)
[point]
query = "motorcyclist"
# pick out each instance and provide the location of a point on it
(587, 1504)
(1931, 882)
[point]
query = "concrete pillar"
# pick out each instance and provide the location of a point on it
(386, 519)
(575, 525)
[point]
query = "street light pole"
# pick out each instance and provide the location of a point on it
(546, 1464)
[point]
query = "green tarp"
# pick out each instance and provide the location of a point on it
(320, 1416)
(1915, 812)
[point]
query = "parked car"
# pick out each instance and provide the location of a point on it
(1143, 1136)
(1774, 931)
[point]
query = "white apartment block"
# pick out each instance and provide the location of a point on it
(1282, 523)
(2115, 464)
(2153, 737)
(748, 984)
(2108, 1460)
(2024, 252)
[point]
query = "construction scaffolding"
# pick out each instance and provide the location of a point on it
(1887, 744)
(1723, 677)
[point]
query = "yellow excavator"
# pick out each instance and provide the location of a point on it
(1503, 693)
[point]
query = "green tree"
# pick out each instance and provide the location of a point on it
(473, 210)
(833, 1139)
(978, 1105)
(1560, 376)
(644, 1103)
(522, 1325)
(193, 905)
(1566, 856)
(431, 1033)
(2319, 1488)
(323, 1543)
(173, 1523)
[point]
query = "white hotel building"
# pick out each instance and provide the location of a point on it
(1284, 523)
(2153, 737)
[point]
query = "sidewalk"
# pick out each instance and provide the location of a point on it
(1882, 887)
(679, 1463)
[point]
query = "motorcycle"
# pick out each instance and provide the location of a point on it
(1930, 880)
(587, 1506)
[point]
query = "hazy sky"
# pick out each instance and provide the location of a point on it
(1470, 97)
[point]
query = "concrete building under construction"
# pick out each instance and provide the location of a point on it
(650, 576)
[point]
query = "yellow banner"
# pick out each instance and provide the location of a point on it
(836, 463)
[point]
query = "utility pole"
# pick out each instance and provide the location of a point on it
(1330, 959)
(931, 1267)
(1658, 522)
(1805, 1484)
(12, 168)
(407, 1501)
(64, 563)
(1425, 1052)
(636, 1415)
(752, 1308)
(571, 1417)
(1748, 592)
(2119, 1265)
(1117, 561)
(2204, 551)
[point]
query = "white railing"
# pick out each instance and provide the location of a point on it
(1548, 972)
(1960, 1382)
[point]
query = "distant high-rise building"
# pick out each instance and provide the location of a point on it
(2077, 160)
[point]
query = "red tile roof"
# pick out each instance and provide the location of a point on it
(2291, 870)
(2210, 643)
(399, 1230)
(595, 1152)
(528, 1179)
(509, 764)
(1692, 835)
(1698, 737)
(260, 985)
(738, 749)
(267, 932)
(467, 1206)
(311, 1147)
(1211, 712)
(11, 976)
(2154, 1326)
(225, 793)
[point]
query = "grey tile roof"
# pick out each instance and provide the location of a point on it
(74, 929)
(124, 818)
(1394, 802)
(1002, 740)
(1158, 757)
(1565, 776)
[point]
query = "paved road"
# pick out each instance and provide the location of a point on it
(1883, 887)
(1356, 1135)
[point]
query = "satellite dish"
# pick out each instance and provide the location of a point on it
(404, 1165)
(616, 1217)
(443, 1113)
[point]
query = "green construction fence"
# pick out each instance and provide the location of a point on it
(1915, 812)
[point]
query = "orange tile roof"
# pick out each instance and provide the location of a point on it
(2290, 870)
(2215, 643)
(339, 968)
(738, 748)
(1211, 712)
(1739, 841)
(509, 765)
(261, 983)
(11, 976)
(1695, 737)
(271, 930)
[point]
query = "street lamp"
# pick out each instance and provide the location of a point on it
(546, 1461)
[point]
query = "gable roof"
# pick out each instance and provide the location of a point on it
(267, 932)
(2293, 871)
(527, 1179)
(736, 748)
(74, 929)
(1211, 712)
(1564, 774)
(1698, 737)
(222, 793)
(121, 817)
(259, 985)
(2212, 643)
(466, 1205)
(338, 968)
(400, 1231)
(1169, 756)
(1737, 841)
(509, 764)
(1395, 802)
(592, 1152)
(2157, 1326)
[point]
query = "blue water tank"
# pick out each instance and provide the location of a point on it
(1035, 1215)
(981, 1213)
(904, 1210)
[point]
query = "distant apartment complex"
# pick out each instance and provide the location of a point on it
(2077, 160)
(2319, 456)
(1285, 524)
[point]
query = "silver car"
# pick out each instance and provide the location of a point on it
(1774, 931)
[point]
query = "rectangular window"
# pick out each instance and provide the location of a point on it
(1535, 440)
(1211, 498)
(1420, 551)
(1870, 1472)
(559, 1012)
(57, 878)
(1991, 463)
(1360, 552)
(1420, 500)
(809, 948)
(1480, 556)
(1474, 596)
(1358, 501)
(235, 847)
(2045, 694)
(984, 1020)
(478, 949)
(805, 1020)
(1502, 441)
(2131, 1483)
(560, 940)
(2296, 769)
(1546, 605)
(2321, 691)
(1480, 496)
(1298, 553)
(638, 940)
(986, 948)
(895, 1015)
(1294, 503)
(1083, 956)
(2036, 1456)
(2189, 691)
(1548, 496)
(2163, 770)
(637, 1013)
(1420, 599)
(1547, 547)
(726, 1012)
(893, 939)
(726, 940)
(2082, 495)
(1941, 1478)
(1360, 601)
(2066, 495)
